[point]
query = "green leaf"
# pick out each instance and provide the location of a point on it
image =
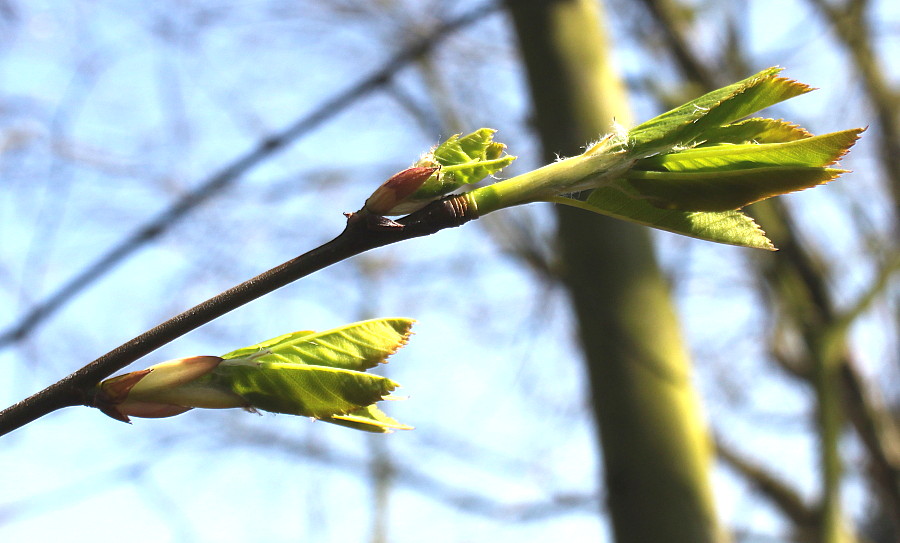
(252, 350)
(686, 124)
(690, 169)
(729, 176)
(369, 419)
(724, 190)
(817, 151)
(729, 227)
(319, 374)
(463, 160)
(755, 130)
(358, 346)
(299, 389)
(471, 158)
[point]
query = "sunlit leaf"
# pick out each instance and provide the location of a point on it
(817, 151)
(357, 346)
(320, 374)
(312, 374)
(369, 419)
(729, 176)
(724, 190)
(755, 130)
(300, 389)
(729, 227)
(470, 158)
(686, 124)
(265, 345)
(463, 160)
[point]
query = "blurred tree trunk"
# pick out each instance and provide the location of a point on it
(656, 450)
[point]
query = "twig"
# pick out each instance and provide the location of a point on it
(852, 27)
(675, 36)
(777, 491)
(227, 176)
(362, 233)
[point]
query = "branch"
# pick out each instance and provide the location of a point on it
(675, 35)
(363, 232)
(777, 491)
(231, 173)
(880, 436)
(852, 27)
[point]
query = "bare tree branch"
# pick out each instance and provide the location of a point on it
(774, 489)
(675, 35)
(851, 25)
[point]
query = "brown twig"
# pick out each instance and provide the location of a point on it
(362, 233)
(776, 490)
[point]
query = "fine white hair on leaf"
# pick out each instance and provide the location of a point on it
(619, 131)
(595, 143)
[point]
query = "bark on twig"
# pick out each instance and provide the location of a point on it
(363, 232)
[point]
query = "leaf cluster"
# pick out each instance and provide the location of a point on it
(320, 375)
(695, 166)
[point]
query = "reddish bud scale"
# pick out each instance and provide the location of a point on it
(398, 188)
(163, 390)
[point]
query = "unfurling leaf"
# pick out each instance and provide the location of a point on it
(726, 190)
(319, 375)
(301, 389)
(469, 159)
(728, 227)
(357, 346)
(754, 130)
(809, 152)
(687, 124)
(458, 161)
(730, 176)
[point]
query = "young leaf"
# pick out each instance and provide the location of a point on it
(252, 350)
(729, 227)
(817, 151)
(471, 158)
(724, 190)
(369, 419)
(462, 160)
(686, 124)
(358, 346)
(754, 130)
(300, 389)
(317, 375)
(729, 176)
